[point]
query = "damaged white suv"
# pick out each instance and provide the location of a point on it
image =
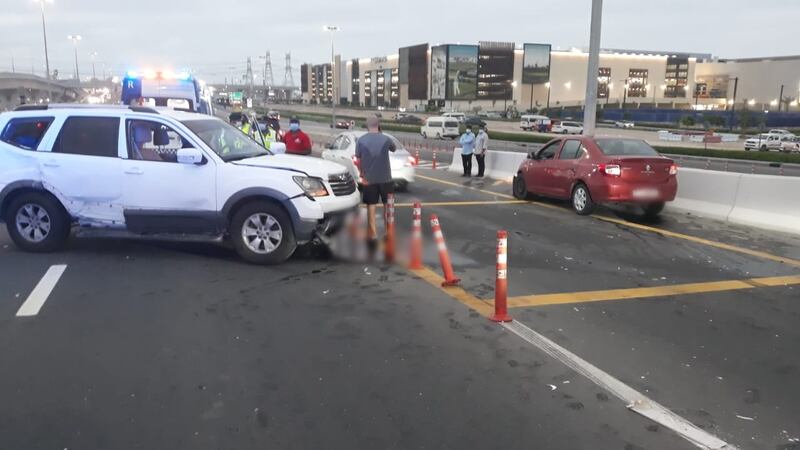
(117, 171)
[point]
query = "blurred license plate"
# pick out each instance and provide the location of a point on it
(645, 193)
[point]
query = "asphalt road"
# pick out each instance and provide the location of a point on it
(322, 133)
(165, 346)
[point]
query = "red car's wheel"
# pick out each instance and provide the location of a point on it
(519, 188)
(582, 200)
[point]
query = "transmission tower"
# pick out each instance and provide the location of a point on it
(249, 76)
(269, 80)
(288, 78)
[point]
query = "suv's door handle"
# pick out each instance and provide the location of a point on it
(135, 171)
(51, 163)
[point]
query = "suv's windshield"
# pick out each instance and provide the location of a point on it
(625, 147)
(226, 141)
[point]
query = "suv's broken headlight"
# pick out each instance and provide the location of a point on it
(313, 187)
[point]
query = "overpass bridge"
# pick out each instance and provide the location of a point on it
(19, 88)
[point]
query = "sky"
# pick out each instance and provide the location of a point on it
(214, 38)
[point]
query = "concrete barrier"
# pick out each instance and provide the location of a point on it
(503, 165)
(706, 193)
(767, 201)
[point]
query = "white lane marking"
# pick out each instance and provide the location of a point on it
(635, 400)
(39, 295)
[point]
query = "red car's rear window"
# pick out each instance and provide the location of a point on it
(625, 147)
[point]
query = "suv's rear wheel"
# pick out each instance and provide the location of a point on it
(262, 233)
(37, 223)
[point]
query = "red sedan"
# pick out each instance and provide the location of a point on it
(590, 171)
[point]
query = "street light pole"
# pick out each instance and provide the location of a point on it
(548, 95)
(780, 100)
(94, 73)
(624, 92)
(332, 29)
(44, 35)
(590, 110)
(75, 38)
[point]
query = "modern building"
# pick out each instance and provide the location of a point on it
(496, 76)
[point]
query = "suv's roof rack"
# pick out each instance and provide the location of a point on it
(30, 108)
(46, 106)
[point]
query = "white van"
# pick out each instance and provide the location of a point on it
(440, 127)
(461, 117)
(534, 122)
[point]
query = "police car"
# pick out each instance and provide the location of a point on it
(127, 171)
(166, 88)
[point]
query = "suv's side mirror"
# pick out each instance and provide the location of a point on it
(190, 156)
(277, 148)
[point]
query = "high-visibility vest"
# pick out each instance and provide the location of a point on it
(246, 128)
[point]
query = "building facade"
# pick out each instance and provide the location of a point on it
(498, 76)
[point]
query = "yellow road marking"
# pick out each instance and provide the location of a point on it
(450, 183)
(707, 242)
(649, 292)
(663, 232)
(464, 203)
(457, 292)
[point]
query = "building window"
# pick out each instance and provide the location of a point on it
(637, 83)
(603, 80)
(677, 77)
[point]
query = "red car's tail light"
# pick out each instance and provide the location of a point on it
(673, 169)
(613, 170)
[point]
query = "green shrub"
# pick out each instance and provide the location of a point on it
(792, 158)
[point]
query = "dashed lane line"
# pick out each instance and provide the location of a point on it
(462, 203)
(33, 304)
(634, 400)
(650, 292)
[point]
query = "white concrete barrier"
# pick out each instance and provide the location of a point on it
(767, 201)
(706, 193)
(503, 165)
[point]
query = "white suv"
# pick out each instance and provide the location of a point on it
(567, 128)
(162, 174)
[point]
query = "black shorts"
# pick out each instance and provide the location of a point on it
(375, 193)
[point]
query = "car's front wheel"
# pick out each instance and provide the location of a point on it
(37, 223)
(582, 200)
(262, 233)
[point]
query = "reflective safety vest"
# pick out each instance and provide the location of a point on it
(270, 137)
(246, 128)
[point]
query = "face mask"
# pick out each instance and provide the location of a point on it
(294, 126)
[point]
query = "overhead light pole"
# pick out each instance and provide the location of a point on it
(590, 108)
(94, 73)
(44, 35)
(332, 29)
(75, 38)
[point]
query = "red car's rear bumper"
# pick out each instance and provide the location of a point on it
(618, 191)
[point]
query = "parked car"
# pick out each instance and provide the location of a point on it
(493, 115)
(567, 128)
(781, 132)
(118, 171)
(623, 124)
(409, 119)
(591, 171)
(533, 122)
(474, 122)
(765, 142)
(342, 150)
(345, 124)
(440, 127)
(791, 145)
(460, 117)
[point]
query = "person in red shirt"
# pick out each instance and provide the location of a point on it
(297, 142)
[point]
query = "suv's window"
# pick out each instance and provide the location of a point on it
(434, 124)
(570, 149)
(345, 144)
(26, 132)
(90, 136)
(226, 141)
(337, 143)
(153, 141)
(549, 151)
(451, 124)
